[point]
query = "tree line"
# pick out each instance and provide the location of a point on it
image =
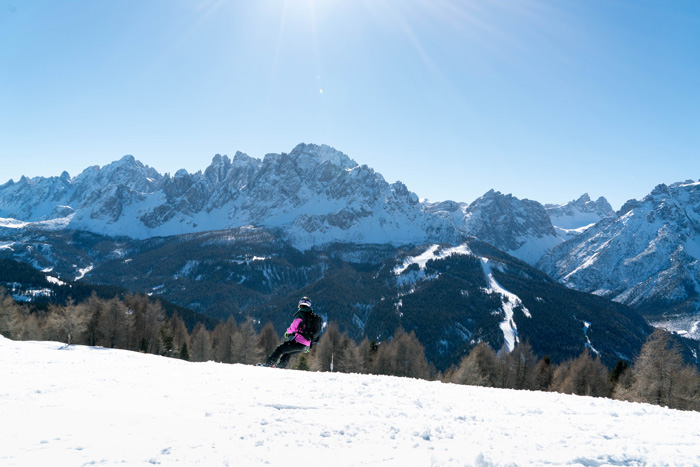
(658, 375)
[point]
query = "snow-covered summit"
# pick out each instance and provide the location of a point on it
(573, 218)
(313, 195)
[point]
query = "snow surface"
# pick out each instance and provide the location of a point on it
(531, 249)
(71, 406)
(509, 301)
(83, 271)
(433, 252)
(55, 280)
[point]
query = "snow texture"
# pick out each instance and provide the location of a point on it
(71, 406)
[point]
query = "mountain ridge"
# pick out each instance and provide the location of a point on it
(314, 195)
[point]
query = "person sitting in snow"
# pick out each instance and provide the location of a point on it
(303, 333)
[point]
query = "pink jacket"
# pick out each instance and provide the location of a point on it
(294, 329)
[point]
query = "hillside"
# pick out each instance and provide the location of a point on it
(40, 289)
(443, 293)
(451, 297)
(81, 405)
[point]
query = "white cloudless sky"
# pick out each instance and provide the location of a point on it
(545, 100)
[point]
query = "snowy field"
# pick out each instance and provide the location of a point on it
(91, 406)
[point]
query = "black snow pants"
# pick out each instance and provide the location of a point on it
(284, 352)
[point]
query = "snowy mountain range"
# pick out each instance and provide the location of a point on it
(313, 195)
(648, 257)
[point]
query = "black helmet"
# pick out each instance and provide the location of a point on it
(304, 303)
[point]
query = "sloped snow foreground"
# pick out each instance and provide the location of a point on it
(82, 406)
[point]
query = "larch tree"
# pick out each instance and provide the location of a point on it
(481, 367)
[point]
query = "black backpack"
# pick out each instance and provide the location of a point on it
(311, 326)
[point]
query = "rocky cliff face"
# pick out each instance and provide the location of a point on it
(521, 228)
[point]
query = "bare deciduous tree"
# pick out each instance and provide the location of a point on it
(268, 339)
(9, 315)
(337, 348)
(200, 344)
(659, 376)
(222, 340)
(65, 323)
(404, 355)
(480, 368)
(585, 376)
(244, 344)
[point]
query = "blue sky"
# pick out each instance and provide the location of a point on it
(542, 99)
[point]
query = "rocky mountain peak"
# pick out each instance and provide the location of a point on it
(519, 227)
(321, 153)
(573, 218)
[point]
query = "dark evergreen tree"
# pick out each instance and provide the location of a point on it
(302, 363)
(93, 308)
(184, 352)
(544, 371)
(166, 340)
(367, 351)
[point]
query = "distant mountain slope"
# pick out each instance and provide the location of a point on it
(455, 297)
(647, 257)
